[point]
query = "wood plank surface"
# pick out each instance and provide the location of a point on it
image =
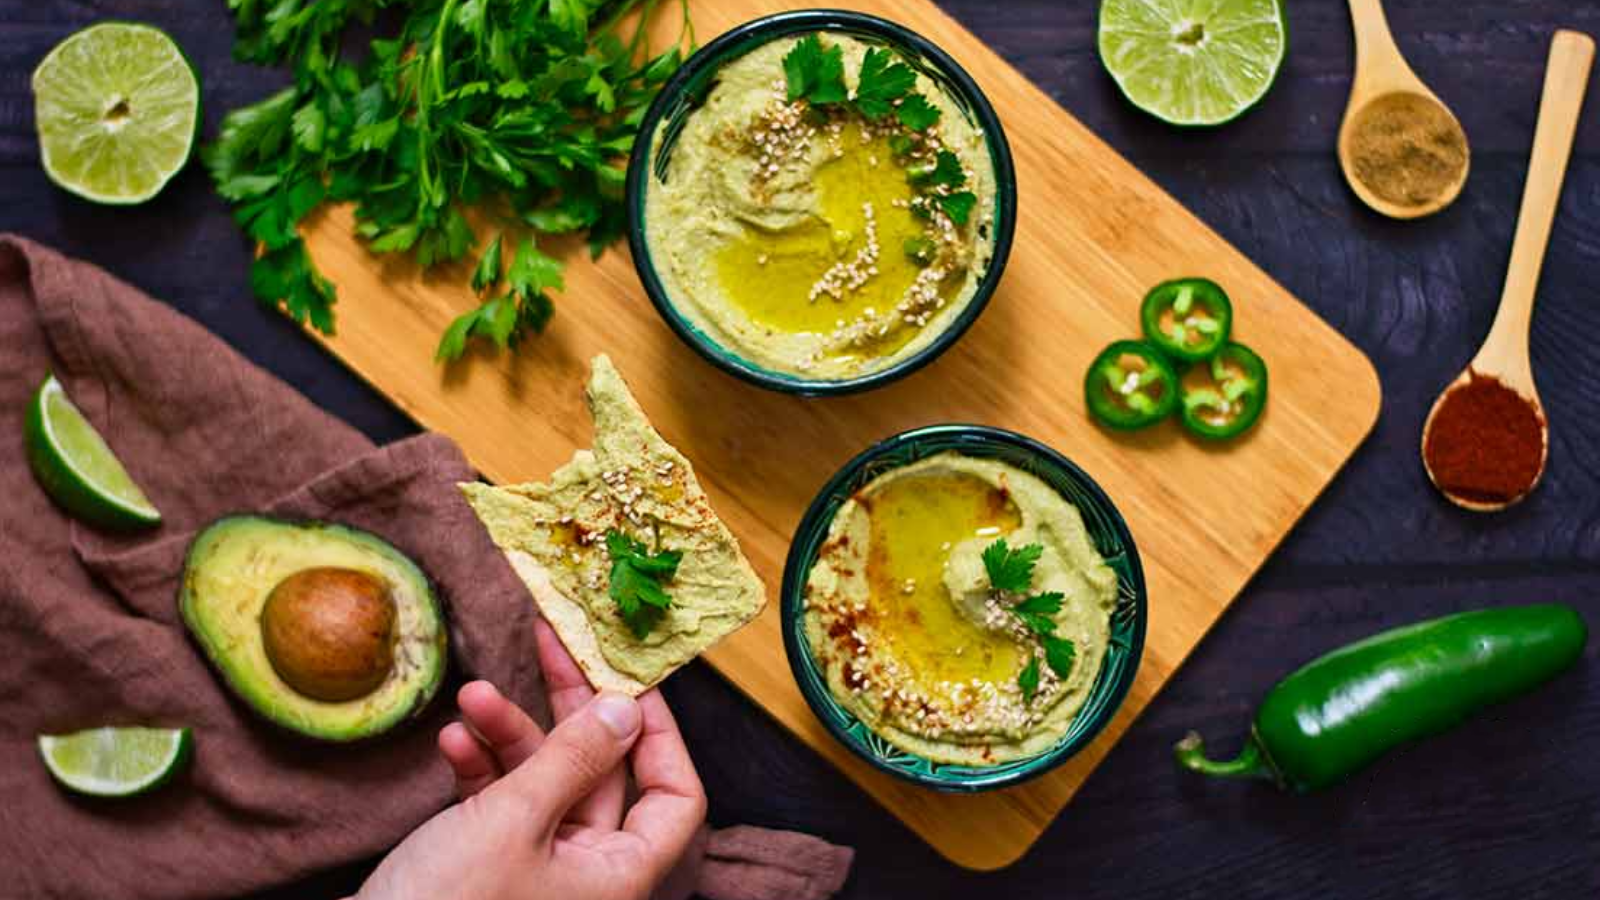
(1092, 235)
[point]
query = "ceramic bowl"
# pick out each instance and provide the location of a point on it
(688, 88)
(1106, 528)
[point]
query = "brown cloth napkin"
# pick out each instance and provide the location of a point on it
(89, 631)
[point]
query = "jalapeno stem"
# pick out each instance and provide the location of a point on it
(1250, 763)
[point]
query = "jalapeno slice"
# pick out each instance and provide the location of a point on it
(1188, 318)
(1130, 385)
(1223, 396)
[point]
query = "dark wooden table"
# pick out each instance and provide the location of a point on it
(1508, 806)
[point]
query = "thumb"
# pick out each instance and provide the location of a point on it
(576, 756)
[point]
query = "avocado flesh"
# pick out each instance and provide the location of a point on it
(232, 567)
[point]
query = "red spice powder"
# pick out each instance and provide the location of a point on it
(1486, 442)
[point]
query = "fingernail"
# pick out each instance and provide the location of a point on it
(473, 687)
(619, 713)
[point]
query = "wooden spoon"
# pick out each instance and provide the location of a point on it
(1380, 72)
(1504, 354)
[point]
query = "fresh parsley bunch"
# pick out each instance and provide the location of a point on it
(524, 109)
(1011, 572)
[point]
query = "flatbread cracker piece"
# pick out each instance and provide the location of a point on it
(632, 481)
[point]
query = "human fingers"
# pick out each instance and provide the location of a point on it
(474, 767)
(568, 691)
(672, 802)
(575, 759)
(568, 687)
(507, 731)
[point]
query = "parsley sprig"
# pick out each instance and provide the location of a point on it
(1011, 572)
(815, 72)
(946, 172)
(637, 576)
(524, 111)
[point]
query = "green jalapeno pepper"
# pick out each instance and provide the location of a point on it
(1188, 318)
(1346, 709)
(1130, 385)
(1223, 396)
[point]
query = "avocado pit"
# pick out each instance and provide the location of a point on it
(329, 632)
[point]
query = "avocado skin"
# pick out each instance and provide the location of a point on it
(245, 669)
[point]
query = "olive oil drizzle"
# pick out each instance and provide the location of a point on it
(914, 523)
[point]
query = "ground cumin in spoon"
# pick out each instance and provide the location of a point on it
(1407, 149)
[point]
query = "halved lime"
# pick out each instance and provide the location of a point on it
(1193, 62)
(76, 467)
(115, 762)
(117, 107)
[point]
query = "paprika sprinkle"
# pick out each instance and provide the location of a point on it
(1485, 443)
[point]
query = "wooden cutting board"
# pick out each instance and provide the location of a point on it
(1092, 235)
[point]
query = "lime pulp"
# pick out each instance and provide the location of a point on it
(117, 107)
(115, 762)
(1193, 62)
(77, 468)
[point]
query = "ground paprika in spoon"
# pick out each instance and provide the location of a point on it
(1485, 443)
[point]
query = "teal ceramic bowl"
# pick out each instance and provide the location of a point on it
(1111, 538)
(687, 90)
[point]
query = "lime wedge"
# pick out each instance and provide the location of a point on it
(115, 762)
(76, 468)
(1193, 62)
(117, 107)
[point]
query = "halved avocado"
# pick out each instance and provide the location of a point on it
(321, 628)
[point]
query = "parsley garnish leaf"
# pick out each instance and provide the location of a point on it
(1048, 603)
(814, 72)
(1036, 612)
(1028, 679)
(916, 113)
(882, 82)
(946, 171)
(636, 581)
(1038, 623)
(958, 206)
(1010, 570)
(1059, 653)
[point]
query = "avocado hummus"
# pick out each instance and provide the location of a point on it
(635, 484)
(323, 629)
(912, 638)
(813, 241)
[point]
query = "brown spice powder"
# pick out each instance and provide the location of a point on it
(1407, 149)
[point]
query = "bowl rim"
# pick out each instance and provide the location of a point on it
(755, 33)
(796, 570)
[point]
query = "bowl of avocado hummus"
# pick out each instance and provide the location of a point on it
(963, 607)
(820, 202)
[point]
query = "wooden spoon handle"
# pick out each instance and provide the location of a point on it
(1378, 59)
(1565, 81)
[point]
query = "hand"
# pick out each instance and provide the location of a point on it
(542, 816)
